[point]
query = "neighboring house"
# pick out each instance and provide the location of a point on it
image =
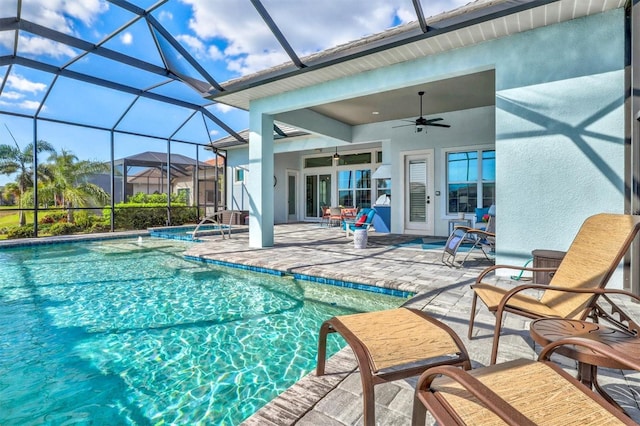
(535, 97)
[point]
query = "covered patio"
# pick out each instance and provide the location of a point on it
(389, 261)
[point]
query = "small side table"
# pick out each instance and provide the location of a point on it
(545, 259)
(455, 222)
(547, 330)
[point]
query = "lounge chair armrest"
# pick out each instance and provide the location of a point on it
(469, 230)
(596, 346)
(484, 394)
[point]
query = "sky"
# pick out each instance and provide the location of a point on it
(227, 37)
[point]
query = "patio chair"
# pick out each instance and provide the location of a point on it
(326, 214)
(577, 284)
(335, 216)
(392, 345)
(472, 239)
(363, 220)
(349, 213)
(521, 392)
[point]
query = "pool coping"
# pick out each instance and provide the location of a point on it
(61, 239)
(305, 277)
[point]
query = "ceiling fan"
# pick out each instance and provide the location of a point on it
(421, 123)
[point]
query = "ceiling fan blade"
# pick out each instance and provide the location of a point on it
(404, 125)
(431, 120)
(438, 125)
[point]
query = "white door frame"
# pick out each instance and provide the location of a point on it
(429, 225)
(296, 216)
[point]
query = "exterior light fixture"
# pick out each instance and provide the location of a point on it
(336, 156)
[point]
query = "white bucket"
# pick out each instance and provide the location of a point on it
(360, 238)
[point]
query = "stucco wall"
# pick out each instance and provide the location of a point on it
(559, 132)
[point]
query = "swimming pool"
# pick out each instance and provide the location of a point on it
(116, 332)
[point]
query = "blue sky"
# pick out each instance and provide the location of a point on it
(227, 37)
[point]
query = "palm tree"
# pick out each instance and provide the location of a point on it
(20, 161)
(68, 185)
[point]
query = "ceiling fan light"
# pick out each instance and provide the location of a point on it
(420, 128)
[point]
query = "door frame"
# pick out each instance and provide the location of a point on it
(428, 155)
(296, 216)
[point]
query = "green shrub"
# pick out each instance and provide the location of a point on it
(62, 228)
(25, 231)
(100, 227)
(55, 217)
(147, 215)
(83, 219)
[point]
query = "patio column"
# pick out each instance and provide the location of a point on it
(260, 180)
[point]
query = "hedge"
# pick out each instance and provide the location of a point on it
(146, 215)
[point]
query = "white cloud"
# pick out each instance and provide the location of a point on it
(215, 53)
(30, 105)
(11, 95)
(21, 84)
(223, 108)
(62, 14)
(41, 46)
(251, 63)
(195, 45)
(25, 105)
(308, 25)
(165, 16)
(214, 132)
(126, 38)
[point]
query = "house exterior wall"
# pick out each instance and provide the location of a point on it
(559, 132)
(558, 123)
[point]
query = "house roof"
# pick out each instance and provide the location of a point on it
(155, 158)
(180, 165)
(474, 23)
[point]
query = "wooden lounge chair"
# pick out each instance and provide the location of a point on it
(391, 345)
(577, 284)
(521, 392)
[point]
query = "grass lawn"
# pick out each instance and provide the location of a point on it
(11, 218)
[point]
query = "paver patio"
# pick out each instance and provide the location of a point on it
(336, 399)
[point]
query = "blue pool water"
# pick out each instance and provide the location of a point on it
(116, 332)
(185, 232)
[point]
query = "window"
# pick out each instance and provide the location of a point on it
(239, 174)
(354, 188)
(383, 187)
(318, 162)
(350, 159)
(471, 180)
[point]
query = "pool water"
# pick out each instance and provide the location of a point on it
(117, 332)
(185, 232)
